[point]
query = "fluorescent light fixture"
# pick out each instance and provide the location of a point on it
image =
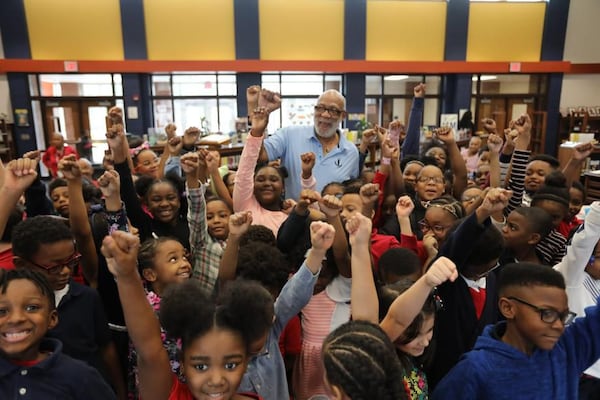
(484, 78)
(395, 77)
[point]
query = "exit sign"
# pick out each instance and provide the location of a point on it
(71, 66)
(515, 67)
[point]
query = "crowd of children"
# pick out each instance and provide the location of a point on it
(443, 274)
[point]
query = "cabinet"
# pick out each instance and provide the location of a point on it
(7, 145)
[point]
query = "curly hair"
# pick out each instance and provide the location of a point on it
(29, 234)
(188, 313)
(258, 233)
(35, 277)
(359, 358)
(263, 263)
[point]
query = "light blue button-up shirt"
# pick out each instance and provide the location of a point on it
(288, 143)
(266, 371)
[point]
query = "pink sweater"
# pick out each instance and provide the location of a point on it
(243, 191)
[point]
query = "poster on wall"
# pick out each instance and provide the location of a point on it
(21, 117)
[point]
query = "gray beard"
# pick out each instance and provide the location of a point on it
(327, 135)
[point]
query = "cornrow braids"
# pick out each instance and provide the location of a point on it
(449, 204)
(360, 359)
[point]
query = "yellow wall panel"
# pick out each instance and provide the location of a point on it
(505, 32)
(405, 30)
(301, 29)
(190, 29)
(74, 29)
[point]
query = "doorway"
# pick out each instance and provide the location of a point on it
(81, 122)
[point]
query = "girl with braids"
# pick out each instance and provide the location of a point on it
(360, 363)
(215, 336)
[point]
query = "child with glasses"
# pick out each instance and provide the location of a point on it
(45, 244)
(539, 352)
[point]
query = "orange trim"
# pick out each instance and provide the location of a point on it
(345, 66)
(585, 69)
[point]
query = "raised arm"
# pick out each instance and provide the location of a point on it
(331, 207)
(494, 143)
(409, 304)
(238, 225)
(573, 168)
(213, 162)
(156, 378)
(363, 295)
(19, 174)
(172, 149)
(78, 219)
(413, 130)
(459, 168)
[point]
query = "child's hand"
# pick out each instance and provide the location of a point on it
(70, 168)
(308, 163)
(489, 125)
(120, 250)
(368, 136)
(202, 155)
(109, 183)
(330, 206)
(170, 130)
(190, 137)
(174, 146)
(288, 205)
(359, 228)
(369, 193)
(419, 90)
(445, 134)
(430, 244)
(307, 197)
(582, 151)
(387, 148)
(189, 164)
(495, 200)
(115, 139)
(32, 155)
(441, 270)
(321, 235)
(213, 162)
(404, 207)
(260, 119)
(494, 143)
(239, 223)
(19, 174)
(523, 128)
(252, 94)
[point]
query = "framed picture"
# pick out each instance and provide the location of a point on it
(21, 117)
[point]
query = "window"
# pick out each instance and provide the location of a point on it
(299, 93)
(206, 100)
(76, 85)
(389, 97)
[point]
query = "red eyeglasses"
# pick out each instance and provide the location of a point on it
(56, 269)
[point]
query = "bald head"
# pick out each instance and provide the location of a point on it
(333, 96)
(57, 140)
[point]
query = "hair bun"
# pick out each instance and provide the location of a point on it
(556, 179)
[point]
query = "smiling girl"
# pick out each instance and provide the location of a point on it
(214, 336)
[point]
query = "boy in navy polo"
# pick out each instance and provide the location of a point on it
(32, 366)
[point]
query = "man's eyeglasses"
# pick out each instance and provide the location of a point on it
(549, 315)
(334, 112)
(71, 263)
(424, 225)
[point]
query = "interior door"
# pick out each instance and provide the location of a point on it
(81, 122)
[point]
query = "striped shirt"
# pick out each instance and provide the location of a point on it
(552, 248)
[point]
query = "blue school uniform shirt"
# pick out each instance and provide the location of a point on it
(289, 143)
(57, 377)
(498, 371)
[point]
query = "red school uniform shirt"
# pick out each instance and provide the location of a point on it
(52, 156)
(180, 391)
(379, 245)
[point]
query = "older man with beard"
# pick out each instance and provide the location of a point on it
(336, 159)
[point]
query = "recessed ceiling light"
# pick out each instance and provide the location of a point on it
(395, 77)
